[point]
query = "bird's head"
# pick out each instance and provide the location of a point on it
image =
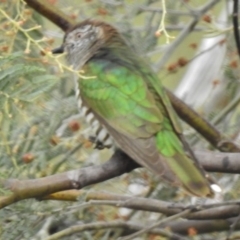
(86, 39)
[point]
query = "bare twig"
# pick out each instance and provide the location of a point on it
(165, 220)
(66, 156)
(232, 227)
(204, 212)
(231, 106)
(159, 65)
(169, 11)
(113, 224)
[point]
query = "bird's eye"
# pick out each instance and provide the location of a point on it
(79, 35)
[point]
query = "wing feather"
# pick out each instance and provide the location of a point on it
(144, 152)
(132, 111)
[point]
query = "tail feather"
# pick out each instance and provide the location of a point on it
(190, 153)
(164, 155)
(188, 171)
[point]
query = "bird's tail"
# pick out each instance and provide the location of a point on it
(187, 170)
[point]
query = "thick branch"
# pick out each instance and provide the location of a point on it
(219, 162)
(50, 12)
(209, 132)
(118, 164)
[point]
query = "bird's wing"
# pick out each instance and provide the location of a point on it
(123, 100)
(127, 107)
(122, 103)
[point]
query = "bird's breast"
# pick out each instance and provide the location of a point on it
(102, 136)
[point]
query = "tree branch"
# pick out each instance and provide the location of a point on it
(156, 224)
(172, 232)
(203, 212)
(118, 164)
(201, 227)
(113, 224)
(208, 131)
(51, 13)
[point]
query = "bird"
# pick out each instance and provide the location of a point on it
(125, 103)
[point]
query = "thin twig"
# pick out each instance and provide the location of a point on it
(204, 212)
(232, 227)
(232, 105)
(169, 11)
(168, 53)
(66, 157)
(165, 220)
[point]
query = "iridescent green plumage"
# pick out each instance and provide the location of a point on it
(129, 100)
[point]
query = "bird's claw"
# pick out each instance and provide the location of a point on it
(98, 144)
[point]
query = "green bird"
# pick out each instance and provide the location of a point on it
(125, 103)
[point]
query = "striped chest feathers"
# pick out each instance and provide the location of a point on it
(101, 137)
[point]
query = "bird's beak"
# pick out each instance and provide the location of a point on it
(58, 50)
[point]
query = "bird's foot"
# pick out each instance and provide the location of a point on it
(98, 144)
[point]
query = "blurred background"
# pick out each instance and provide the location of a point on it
(42, 133)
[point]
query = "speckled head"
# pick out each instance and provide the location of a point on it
(85, 39)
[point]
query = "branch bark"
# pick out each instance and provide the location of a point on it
(51, 13)
(118, 164)
(202, 227)
(204, 212)
(173, 231)
(133, 227)
(184, 33)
